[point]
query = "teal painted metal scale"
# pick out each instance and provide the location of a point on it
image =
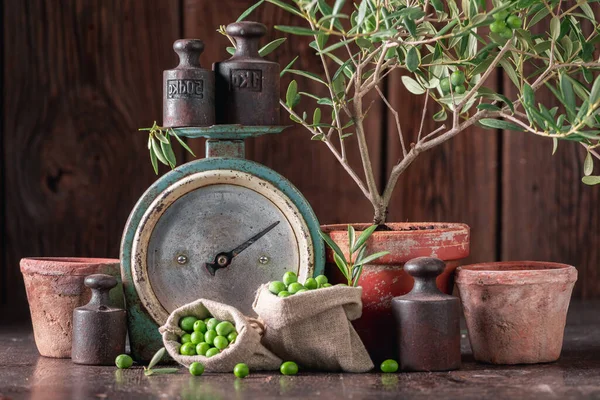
(215, 228)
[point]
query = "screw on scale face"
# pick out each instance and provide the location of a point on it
(222, 260)
(182, 259)
(263, 260)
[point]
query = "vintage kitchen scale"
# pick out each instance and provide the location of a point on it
(221, 226)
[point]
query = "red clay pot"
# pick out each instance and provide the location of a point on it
(54, 289)
(516, 311)
(386, 279)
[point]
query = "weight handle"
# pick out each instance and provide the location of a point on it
(247, 37)
(425, 270)
(189, 51)
(101, 285)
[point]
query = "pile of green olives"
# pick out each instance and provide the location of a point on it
(206, 337)
(457, 80)
(289, 285)
(504, 23)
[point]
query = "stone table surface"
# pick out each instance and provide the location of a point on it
(26, 375)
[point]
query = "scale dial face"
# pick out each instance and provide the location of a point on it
(217, 235)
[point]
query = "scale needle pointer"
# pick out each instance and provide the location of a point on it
(222, 260)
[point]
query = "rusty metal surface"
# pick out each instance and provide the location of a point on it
(210, 221)
(189, 89)
(232, 131)
(225, 148)
(99, 330)
(26, 375)
(427, 321)
(247, 86)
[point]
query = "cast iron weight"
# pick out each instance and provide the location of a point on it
(99, 330)
(247, 86)
(427, 321)
(189, 89)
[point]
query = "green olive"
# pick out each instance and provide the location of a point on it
(457, 78)
(460, 89)
(498, 27)
(514, 22)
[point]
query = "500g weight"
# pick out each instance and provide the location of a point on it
(189, 89)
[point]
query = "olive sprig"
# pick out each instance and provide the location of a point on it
(352, 267)
(159, 145)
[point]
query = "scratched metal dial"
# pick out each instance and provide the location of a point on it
(201, 229)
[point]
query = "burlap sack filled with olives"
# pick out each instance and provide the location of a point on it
(246, 347)
(313, 328)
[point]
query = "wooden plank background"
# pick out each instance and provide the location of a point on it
(80, 78)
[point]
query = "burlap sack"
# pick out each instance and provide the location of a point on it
(246, 348)
(313, 328)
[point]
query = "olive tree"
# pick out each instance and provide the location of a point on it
(448, 52)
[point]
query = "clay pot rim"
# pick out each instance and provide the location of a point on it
(446, 240)
(515, 273)
(74, 266)
(399, 228)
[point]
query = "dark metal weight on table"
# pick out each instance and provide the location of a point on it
(427, 321)
(189, 89)
(99, 330)
(247, 86)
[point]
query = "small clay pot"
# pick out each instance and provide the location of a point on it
(516, 311)
(385, 278)
(54, 289)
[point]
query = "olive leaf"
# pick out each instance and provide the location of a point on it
(317, 116)
(291, 93)
(159, 135)
(588, 164)
(307, 74)
(351, 237)
(555, 27)
(362, 12)
(296, 30)
(595, 92)
(287, 67)
(249, 10)
(363, 237)
(336, 249)
(168, 152)
(412, 59)
(342, 265)
(271, 46)
(373, 257)
(412, 85)
(157, 357)
(154, 161)
(591, 180)
(181, 142)
(158, 371)
(499, 124)
(158, 151)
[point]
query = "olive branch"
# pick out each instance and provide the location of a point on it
(159, 146)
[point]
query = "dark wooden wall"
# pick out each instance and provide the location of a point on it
(80, 76)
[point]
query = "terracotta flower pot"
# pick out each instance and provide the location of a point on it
(54, 288)
(516, 311)
(386, 279)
